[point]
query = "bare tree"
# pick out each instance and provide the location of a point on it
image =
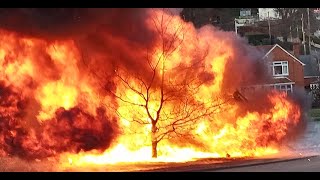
(286, 13)
(220, 17)
(290, 17)
(164, 95)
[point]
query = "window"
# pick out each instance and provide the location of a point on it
(280, 68)
(284, 87)
(245, 12)
(314, 86)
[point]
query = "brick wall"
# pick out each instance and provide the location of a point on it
(296, 73)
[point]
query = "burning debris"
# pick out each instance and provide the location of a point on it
(147, 85)
(239, 96)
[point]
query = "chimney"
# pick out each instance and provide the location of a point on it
(296, 49)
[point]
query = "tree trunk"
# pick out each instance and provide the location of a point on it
(154, 141)
(154, 149)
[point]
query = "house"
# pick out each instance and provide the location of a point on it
(248, 17)
(260, 25)
(268, 13)
(286, 69)
(316, 12)
(244, 12)
(311, 71)
(312, 77)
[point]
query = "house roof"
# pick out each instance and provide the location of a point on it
(315, 82)
(311, 65)
(272, 81)
(267, 49)
(309, 80)
(281, 80)
(277, 45)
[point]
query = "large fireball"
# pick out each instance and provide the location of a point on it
(93, 98)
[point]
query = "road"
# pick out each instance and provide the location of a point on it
(311, 164)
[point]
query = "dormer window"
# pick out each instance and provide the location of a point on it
(280, 68)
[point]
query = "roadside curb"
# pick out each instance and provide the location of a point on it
(226, 165)
(256, 163)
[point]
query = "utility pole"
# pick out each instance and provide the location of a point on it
(309, 31)
(290, 34)
(269, 28)
(235, 25)
(303, 35)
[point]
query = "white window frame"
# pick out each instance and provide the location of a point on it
(314, 86)
(285, 87)
(288, 87)
(283, 64)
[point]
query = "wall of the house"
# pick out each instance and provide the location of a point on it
(296, 73)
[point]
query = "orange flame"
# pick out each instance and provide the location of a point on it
(226, 133)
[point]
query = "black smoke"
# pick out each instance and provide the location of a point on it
(71, 130)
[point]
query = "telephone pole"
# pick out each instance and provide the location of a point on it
(269, 28)
(303, 35)
(309, 31)
(290, 34)
(235, 25)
